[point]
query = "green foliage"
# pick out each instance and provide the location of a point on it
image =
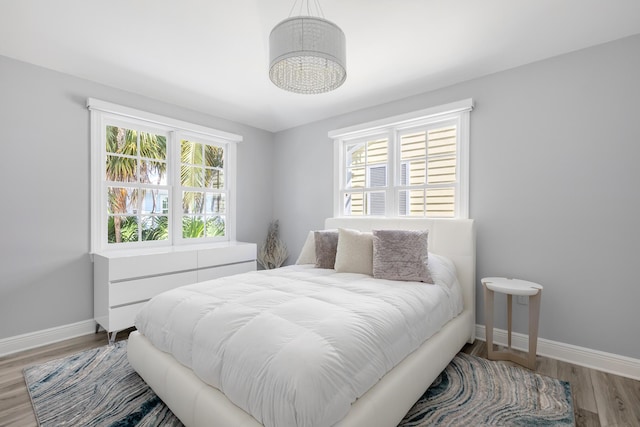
(127, 226)
(194, 227)
(215, 227)
(155, 228)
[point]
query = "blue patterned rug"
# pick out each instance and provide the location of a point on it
(98, 388)
(472, 391)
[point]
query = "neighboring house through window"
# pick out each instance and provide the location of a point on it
(415, 164)
(158, 181)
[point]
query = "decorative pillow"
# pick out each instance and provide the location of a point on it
(308, 252)
(401, 255)
(355, 252)
(326, 247)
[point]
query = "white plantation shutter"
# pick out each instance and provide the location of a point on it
(403, 200)
(377, 178)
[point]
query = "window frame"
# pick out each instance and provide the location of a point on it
(455, 112)
(103, 114)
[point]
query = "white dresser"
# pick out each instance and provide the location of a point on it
(124, 280)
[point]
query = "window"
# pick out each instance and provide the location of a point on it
(135, 184)
(157, 181)
(202, 189)
(365, 176)
(410, 165)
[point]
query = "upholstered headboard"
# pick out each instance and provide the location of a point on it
(453, 238)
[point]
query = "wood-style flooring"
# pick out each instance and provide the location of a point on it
(600, 399)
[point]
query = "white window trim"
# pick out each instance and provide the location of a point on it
(459, 110)
(102, 112)
(122, 111)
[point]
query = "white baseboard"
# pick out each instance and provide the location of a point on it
(595, 359)
(47, 336)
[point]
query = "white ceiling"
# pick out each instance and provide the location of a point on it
(212, 55)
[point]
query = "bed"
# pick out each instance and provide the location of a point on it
(388, 400)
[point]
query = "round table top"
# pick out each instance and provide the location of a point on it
(511, 286)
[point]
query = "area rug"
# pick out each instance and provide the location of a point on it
(99, 388)
(477, 392)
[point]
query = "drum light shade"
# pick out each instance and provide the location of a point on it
(307, 55)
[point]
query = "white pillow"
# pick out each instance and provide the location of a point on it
(308, 252)
(355, 252)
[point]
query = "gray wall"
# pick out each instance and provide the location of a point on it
(555, 187)
(46, 277)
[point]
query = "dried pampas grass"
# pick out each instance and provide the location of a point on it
(273, 252)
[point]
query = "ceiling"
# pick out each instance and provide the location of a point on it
(212, 56)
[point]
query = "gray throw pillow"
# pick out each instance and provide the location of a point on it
(326, 247)
(401, 255)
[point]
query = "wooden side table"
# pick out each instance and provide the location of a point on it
(512, 287)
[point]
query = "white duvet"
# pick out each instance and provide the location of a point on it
(297, 345)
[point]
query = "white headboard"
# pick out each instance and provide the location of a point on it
(453, 238)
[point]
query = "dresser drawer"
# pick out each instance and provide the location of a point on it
(151, 264)
(239, 252)
(225, 270)
(128, 291)
(122, 317)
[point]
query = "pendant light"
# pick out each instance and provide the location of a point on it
(307, 53)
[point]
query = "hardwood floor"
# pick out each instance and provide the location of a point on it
(599, 399)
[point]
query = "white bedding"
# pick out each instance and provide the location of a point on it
(298, 344)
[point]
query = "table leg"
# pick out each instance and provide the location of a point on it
(509, 317)
(488, 319)
(534, 317)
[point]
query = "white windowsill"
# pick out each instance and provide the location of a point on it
(124, 253)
